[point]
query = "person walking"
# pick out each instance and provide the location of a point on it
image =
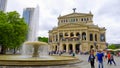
(109, 58)
(112, 59)
(100, 57)
(91, 59)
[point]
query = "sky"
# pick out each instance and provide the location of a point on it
(106, 13)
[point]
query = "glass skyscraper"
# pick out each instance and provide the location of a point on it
(28, 14)
(31, 17)
(3, 4)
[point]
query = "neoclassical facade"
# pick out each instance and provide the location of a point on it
(77, 32)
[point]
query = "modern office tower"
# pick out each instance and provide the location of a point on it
(31, 16)
(3, 4)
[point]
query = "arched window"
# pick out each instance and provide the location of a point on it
(91, 37)
(77, 47)
(83, 36)
(91, 47)
(81, 19)
(76, 20)
(60, 36)
(56, 48)
(95, 37)
(78, 34)
(71, 34)
(70, 47)
(64, 47)
(102, 37)
(66, 34)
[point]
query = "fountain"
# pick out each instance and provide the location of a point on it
(36, 46)
(32, 55)
(35, 59)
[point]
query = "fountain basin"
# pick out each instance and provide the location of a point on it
(36, 61)
(38, 43)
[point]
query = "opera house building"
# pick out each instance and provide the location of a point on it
(76, 32)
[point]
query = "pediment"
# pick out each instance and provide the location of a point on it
(75, 15)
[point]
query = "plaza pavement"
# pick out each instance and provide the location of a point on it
(83, 64)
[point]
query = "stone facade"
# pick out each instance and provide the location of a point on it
(76, 32)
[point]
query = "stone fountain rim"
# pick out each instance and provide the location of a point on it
(40, 62)
(35, 43)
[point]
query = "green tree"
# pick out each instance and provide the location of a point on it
(43, 39)
(13, 30)
(112, 46)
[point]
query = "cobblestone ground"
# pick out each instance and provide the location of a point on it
(83, 64)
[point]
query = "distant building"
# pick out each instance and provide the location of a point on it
(31, 16)
(76, 32)
(3, 4)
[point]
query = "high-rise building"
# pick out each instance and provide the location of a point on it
(3, 4)
(76, 32)
(31, 17)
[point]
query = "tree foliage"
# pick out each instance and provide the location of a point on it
(112, 46)
(43, 39)
(13, 30)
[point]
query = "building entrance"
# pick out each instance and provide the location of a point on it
(70, 48)
(77, 47)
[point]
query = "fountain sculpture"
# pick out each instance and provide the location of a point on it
(36, 46)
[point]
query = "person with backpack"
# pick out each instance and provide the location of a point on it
(91, 59)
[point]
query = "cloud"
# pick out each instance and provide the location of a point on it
(108, 16)
(106, 13)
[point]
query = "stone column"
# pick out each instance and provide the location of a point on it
(60, 47)
(80, 35)
(99, 37)
(93, 36)
(73, 48)
(81, 47)
(86, 35)
(58, 36)
(67, 48)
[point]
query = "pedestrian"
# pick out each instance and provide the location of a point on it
(112, 59)
(100, 57)
(91, 59)
(73, 54)
(105, 54)
(109, 58)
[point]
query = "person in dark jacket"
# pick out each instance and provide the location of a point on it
(91, 59)
(112, 59)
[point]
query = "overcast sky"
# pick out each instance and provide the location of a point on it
(106, 13)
